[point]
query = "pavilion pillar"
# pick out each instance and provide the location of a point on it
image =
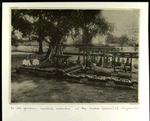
(114, 62)
(86, 59)
(83, 57)
(94, 57)
(131, 62)
(103, 61)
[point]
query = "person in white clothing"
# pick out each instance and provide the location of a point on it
(26, 62)
(35, 61)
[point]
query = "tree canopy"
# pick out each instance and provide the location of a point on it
(57, 24)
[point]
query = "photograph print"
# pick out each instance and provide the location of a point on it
(74, 55)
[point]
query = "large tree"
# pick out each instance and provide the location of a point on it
(29, 22)
(19, 23)
(88, 23)
(92, 23)
(57, 24)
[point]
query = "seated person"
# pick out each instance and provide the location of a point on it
(88, 62)
(109, 63)
(118, 62)
(122, 63)
(113, 62)
(35, 61)
(127, 62)
(26, 62)
(127, 65)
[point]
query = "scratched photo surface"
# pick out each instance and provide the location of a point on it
(74, 56)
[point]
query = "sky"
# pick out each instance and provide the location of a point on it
(123, 20)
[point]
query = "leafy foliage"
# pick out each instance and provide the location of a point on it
(19, 22)
(92, 23)
(111, 39)
(57, 24)
(124, 40)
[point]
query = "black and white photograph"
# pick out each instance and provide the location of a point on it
(74, 55)
(75, 61)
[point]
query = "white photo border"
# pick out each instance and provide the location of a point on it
(135, 115)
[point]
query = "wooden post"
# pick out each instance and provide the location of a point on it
(94, 57)
(83, 57)
(59, 49)
(114, 62)
(104, 60)
(66, 61)
(86, 59)
(131, 62)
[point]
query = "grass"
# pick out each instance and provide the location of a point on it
(33, 89)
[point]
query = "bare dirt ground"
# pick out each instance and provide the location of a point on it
(26, 88)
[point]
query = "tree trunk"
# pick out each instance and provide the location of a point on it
(40, 47)
(40, 40)
(52, 50)
(84, 36)
(56, 50)
(85, 41)
(49, 53)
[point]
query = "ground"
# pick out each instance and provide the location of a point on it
(28, 88)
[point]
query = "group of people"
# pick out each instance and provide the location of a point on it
(30, 62)
(125, 66)
(120, 64)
